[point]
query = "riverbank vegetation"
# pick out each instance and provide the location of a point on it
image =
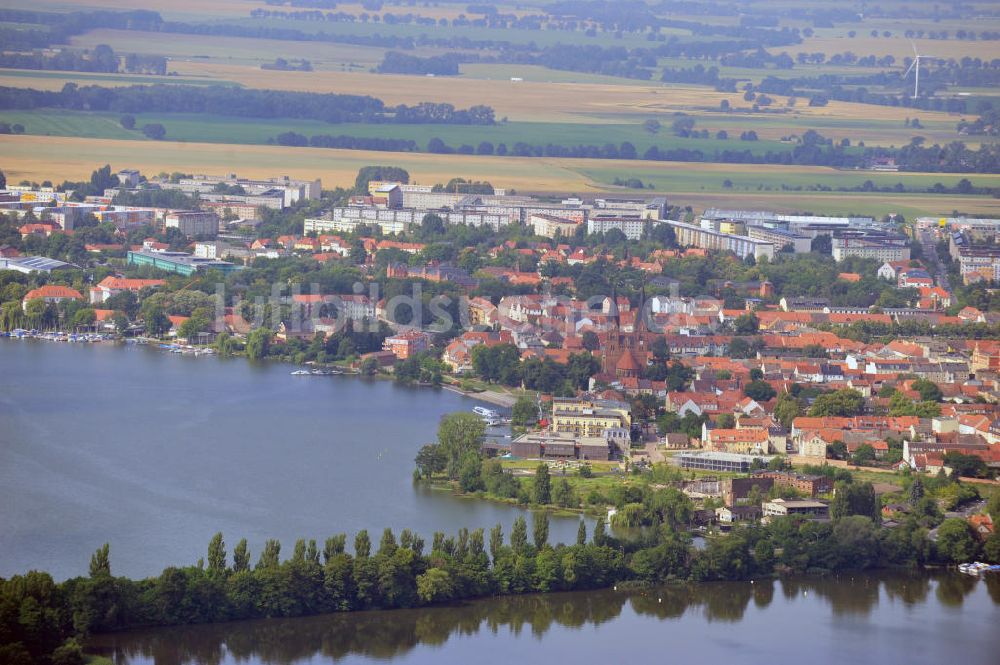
(42, 621)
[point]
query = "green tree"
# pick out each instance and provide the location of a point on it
(258, 344)
(435, 586)
(195, 324)
(519, 535)
(11, 316)
(760, 391)
(916, 491)
(929, 391)
(855, 499)
(525, 412)
(496, 541)
(68, 653)
(786, 409)
(470, 477)
(542, 489)
(458, 434)
(563, 495)
(100, 562)
(84, 318)
(217, 555)
(431, 459)
(725, 421)
(362, 544)
(581, 533)
(600, 536)
(993, 507)
(746, 324)
(34, 312)
(863, 455)
(540, 529)
(241, 557)
(270, 556)
(333, 546)
(956, 541)
(843, 402)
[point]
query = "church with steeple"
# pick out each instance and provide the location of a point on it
(625, 354)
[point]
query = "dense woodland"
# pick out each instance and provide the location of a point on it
(240, 102)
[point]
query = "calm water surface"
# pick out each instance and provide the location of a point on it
(894, 618)
(154, 452)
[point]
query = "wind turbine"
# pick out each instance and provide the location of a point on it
(915, 67)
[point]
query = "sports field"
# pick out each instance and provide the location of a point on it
(57, 158)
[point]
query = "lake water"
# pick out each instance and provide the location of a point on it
(155, 452)
(889, 618)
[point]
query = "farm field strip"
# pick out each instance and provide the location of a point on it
(227, 129)
(240, 50)
(58, 158)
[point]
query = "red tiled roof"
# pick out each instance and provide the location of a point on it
(52, 291)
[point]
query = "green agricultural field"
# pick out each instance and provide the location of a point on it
(31, 76)
(91, 125)
(218, 129)
(751, 179)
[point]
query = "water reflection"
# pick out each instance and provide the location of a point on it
(388, 635)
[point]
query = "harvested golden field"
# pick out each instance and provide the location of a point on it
(528, 100)
(58, 158)
(838, 203)
(54, 158)
(897, 46)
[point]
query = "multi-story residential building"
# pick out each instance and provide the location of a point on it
(192, 222)
(768, 218)
(277, 193)
(407, 344)
(126, 218)
(549, 225)
(979, 264)
(878, 245)
(780, 238)
(631, 225)
(810, 485)
(743, 440)
(696, 236)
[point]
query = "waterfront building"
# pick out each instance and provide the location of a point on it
(407, 343)
(589, 417)
(561, 446)
(51, 293)
(111, 286)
